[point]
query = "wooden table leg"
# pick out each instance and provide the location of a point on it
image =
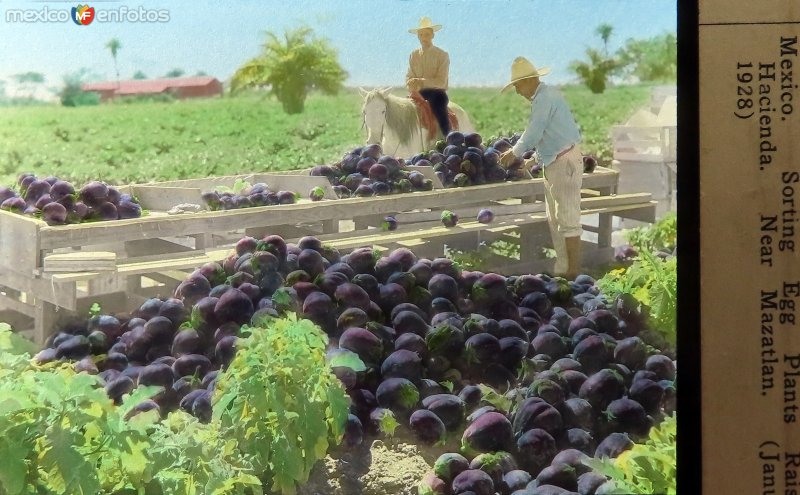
(604, 223)
(47, 318)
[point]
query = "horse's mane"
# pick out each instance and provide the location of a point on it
(401, 114)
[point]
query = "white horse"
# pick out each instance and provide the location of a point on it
(392, 122)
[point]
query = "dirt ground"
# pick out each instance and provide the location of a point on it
(377, 467)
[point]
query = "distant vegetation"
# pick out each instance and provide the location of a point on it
(291, 67)
(72, 95)
(653, 59)
(643, 60)
(113, 46)
(601, 66)
(247, 133)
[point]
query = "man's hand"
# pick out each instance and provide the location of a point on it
(507, 158)
(415, 84)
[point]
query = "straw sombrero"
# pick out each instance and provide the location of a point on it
(425, 23)
(521, 69)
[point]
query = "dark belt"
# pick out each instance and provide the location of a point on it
(564, 152)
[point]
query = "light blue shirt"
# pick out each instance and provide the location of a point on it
(551, 128)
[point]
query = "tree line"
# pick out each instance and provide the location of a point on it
(298, 62)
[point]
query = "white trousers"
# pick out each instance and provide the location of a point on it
(562, 192)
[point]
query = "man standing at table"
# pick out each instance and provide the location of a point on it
(553, 132)
(428, 72)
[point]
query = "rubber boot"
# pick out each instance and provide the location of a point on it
(573, 256)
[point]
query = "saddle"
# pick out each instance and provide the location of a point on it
(426, 117)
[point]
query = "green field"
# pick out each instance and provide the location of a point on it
(141, 142)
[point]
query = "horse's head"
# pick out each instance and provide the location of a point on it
(373, 113)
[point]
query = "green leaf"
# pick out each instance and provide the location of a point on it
(138, 395)
(65, 469)
(94, 310)
(490, 395)
(13, 343)
(240, 185)
(13, 470)
(282, 297)
(348, 359)
(134, 457)
(14, 400)
(388, 423)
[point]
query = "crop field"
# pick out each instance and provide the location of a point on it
(141, 142)
(325, 364)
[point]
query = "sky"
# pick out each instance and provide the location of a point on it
(482, 36)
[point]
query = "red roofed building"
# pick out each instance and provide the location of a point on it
(183, 87)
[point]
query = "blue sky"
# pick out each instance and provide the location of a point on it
(482, 36)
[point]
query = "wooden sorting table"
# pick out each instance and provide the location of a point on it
(153, 253)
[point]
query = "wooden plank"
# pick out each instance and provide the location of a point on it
(428, 216)
(63, 295)
(81, 261)
(169, 278)
(145, 293)
(202, 241)
(138, 267)
(181, 225)
(285, 231)
(14, 304)
(593, 200)
(106, 285)
(81, 256)
(330, 226)
(641, 214)
(165, 257)
(528, 208)
(21, 324)
(628, 156)
(163, 198)
(204, 183)
(429, 230)
(292, 181)
(157, 266)
(154, 247)
(19, 242)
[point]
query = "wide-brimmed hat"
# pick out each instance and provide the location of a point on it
(521, 69)
(425, 23)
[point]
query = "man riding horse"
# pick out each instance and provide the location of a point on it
(428, 72)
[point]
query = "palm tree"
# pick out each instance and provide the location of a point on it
(291, 67)
(113, 46)
(595, 73)
(604, 31)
